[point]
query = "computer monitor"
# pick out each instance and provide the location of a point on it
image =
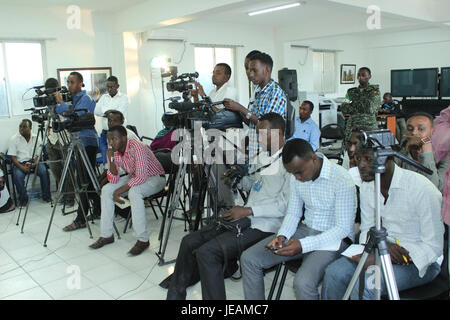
(414, 82)
(444, 88)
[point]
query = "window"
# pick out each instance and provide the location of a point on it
(205, 60)
(20, 69)
(324, 71)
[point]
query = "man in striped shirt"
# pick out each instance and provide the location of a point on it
(329, 195)
(269, 97)
(145, 177)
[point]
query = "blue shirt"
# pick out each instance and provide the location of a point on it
(82, 101)
(330, 207)
(271, 98)
(308, 131)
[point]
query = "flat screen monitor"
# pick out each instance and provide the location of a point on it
(414, 82)
(444, 90)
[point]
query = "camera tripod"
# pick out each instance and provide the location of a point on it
(376, 241)
(44, 136)
(76, 149)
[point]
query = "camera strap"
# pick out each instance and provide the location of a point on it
(265, 166)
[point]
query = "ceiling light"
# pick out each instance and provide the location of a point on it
(286, 6)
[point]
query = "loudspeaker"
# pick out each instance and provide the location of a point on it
(287, 79)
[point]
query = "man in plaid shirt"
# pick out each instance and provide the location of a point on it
(145, 176)
(328, 193)
(269, 97)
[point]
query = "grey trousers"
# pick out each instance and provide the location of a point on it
(307, 278)
(136, 196)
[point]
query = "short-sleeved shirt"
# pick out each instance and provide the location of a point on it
(23, 150)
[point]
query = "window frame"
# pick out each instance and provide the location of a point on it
(7, 81)
(233, 57)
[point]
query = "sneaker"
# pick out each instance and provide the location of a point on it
(138, 248)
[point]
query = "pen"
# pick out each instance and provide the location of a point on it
(398, 243)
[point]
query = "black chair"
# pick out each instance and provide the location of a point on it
(293, 266)
(336, 134)
(438, 289)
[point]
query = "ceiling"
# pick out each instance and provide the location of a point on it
(95, 5)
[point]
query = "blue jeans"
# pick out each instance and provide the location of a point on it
(340, 272)
(19, 181)
(103, 145)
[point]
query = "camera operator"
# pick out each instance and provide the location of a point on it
(269, 97)
(221, 76)
(89, 139)
(222, 90)
(54, 151)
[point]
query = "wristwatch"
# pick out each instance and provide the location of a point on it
(248, 115)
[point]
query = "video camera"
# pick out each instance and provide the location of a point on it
(38, 115)
(46, 97)
(75, 122)
(181, 83)
(378, 138)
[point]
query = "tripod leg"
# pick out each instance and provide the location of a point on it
(63, 178)
(44, 142)
(172, 207)
(92, 177)
(355, 277)
(388, 272)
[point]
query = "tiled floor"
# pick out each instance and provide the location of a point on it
(68, 269)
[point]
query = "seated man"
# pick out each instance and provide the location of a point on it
(203, 253)
(6, 203)
(419, 148)
(115, 118)
(20, 149)
(305, 127)
(351, 145)
(329, 196)
(411, 216)
(145, 177)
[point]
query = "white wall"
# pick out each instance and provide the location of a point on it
(93, 45)
(426, 48)
(246, 37)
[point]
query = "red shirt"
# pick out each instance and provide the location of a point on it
(138, 161)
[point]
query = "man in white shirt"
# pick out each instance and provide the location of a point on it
(21, 150)
(221, 76)
(202, 254)
(410, 212)
(113, 100)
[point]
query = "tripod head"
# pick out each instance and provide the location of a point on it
(382, 141)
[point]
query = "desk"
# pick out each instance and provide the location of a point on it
(390, 121)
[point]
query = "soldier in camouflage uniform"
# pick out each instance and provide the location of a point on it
(363, 106)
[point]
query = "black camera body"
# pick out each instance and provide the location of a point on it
(45, 98)
(75, 122)
(383, 137)
(39, 116)
(182, 83)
